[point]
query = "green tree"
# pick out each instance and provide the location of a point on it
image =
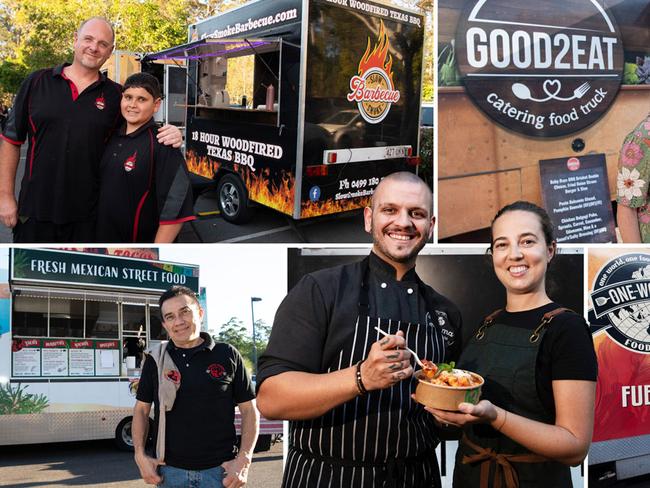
(12, 74)
(237, 335)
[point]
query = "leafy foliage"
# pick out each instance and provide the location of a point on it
(237, 335)
(16, 401)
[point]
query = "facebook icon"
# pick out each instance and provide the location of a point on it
(314, 193)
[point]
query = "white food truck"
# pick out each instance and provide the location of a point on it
(73, 328)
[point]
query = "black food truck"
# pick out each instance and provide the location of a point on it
(301, 105)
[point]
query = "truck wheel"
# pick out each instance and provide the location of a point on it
(233, 199)
(123, 437)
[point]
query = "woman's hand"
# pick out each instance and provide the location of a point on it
(482, 413)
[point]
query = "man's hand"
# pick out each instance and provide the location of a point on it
(8, 210)
(148, 467)
(386, 364)
(236, 472)
(170, 135)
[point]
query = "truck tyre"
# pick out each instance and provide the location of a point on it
(233, 199)
(123, 436)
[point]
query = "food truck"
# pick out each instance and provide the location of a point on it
(301, 105)
(619, 317)
(73, 329)
(548, 84)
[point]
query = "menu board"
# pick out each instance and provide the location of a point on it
(107, 358)
(65, 357)
(81, 358)
(26, 357)
(576, 196)
(54, 357)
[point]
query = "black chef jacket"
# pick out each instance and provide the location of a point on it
(144, 184)
(302, 338)
(67, 133)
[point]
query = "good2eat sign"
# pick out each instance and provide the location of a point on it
(545, 68)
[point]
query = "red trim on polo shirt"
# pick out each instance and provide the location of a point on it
(178, 221)
(144, 197)
(11, 141)
(73, 87)
(31, 122)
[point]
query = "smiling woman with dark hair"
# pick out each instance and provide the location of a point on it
(535, 418)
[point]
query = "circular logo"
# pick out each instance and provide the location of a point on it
(621, 300)
(314, 193)
(374, 106)
(216, 370)
(544, 69)
(573, 164)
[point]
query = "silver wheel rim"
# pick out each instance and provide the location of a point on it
(127, 438)
(229, 199)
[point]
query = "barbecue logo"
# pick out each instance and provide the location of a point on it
(174, 376)
(216, 370)
(373, 87)
(546, 69)
(621, 301)
(100, 102)
(129, 164)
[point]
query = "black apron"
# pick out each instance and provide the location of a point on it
(506, 357)
(380, 440)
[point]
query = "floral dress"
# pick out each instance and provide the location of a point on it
(634, 175)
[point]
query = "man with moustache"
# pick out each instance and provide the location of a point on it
(345, 388)
(195, 384)
(68, 113)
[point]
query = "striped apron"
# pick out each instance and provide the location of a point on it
(382, 439)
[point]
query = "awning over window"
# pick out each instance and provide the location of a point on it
(210, 48)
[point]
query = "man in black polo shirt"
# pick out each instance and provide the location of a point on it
(68, 113)
(195, 384)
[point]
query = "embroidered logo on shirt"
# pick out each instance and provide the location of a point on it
(216, 370)
(447, 330)
(100, 103)
(129, 164)
(173, 376)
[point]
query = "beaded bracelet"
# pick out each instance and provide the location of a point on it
(360, 385)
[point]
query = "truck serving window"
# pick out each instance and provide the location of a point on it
(230, 80)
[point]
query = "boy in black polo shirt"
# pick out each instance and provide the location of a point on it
(145, 191)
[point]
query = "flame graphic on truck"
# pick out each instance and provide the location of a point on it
(377, 57)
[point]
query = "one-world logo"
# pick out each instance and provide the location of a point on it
(621, 301)
(373, 88)
(546, 68)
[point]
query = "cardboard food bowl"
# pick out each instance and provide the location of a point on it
(446, 397)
